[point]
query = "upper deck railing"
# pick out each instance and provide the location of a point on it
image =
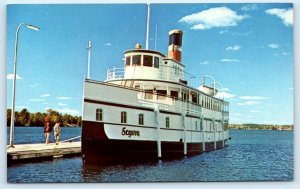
(114, 73)
(166, 73)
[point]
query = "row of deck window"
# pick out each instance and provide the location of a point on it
(99, 116)
(208, 124)
(142, 60)
(199, 99)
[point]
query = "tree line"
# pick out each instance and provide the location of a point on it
(25, 118)
(250, 126)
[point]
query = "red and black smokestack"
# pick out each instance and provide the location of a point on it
(175, 43)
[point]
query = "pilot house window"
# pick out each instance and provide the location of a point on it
(148, 60)
(136, 60)
(123, 117)
(156, 62)
(127, 60)
(99, 114)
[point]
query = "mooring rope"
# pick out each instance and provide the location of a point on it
(70, 139)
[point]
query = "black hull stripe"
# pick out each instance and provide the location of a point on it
(117, 104)
(149, 127)
(192, 116)
(167, 112)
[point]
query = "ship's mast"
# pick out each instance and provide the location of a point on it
(89, 58)
(148, 23)
(155, 36)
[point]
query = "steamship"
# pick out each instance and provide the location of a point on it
(149, 109)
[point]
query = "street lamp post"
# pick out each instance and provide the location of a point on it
(12, 121)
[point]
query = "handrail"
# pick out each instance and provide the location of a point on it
(115, 73)
(118, 73)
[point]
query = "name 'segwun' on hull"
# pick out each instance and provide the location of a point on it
(147, 109)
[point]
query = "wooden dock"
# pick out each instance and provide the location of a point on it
(42, 151)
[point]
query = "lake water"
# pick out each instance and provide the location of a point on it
(250, 156)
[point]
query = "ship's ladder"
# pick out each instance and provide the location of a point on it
(132, 81)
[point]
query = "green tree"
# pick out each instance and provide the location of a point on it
(78, 121)
(36, 119)
(67, 119)
(54, 116)
(23, 117)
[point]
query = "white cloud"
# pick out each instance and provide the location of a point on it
(108, 44)
(45, 95)
(249, 7)
(36, 100)
(251, 100)
(225, 95)
(63, 98)
(223, 31)
(242, 34)
(69, 111)
(242, 115)
(273, 45)
(253, 97)
(238, 114)
(225, 89)
(34, 85)
(286, 15)
(62, 104)
(248, 103)
(213, 17)
(229, 60)
(286, 53)
(233, 48)
(11, 76)
(204, 62)
(254, 111)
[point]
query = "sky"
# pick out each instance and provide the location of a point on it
(246, 47)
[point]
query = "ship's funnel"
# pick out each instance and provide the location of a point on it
(175, 43)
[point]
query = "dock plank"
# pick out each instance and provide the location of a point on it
(34, 151)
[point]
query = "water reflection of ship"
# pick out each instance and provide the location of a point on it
(148, 109)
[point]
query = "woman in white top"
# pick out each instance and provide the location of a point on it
(57, 130)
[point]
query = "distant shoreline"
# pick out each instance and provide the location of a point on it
(231, 126)
(261, 127)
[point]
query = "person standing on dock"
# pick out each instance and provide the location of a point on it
(57, 130)
(47, 131)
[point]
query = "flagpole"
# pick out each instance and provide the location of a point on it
(148, 26)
